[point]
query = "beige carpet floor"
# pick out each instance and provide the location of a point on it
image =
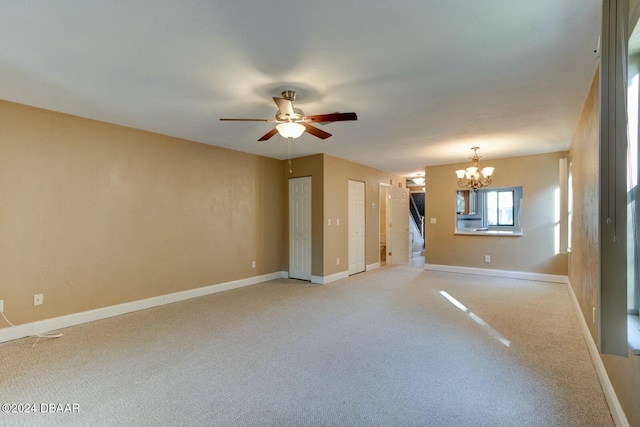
(382, 348)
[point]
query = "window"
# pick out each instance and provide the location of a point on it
(499, 208)
(633, 202)
(569, 204)
(612, 325)
(632, 184)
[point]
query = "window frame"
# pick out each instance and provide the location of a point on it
(633, 122)
(516, 208)
(498, 208)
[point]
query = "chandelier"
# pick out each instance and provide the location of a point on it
(475, 177)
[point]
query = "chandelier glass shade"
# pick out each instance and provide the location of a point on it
(290, 130)
(474, 176)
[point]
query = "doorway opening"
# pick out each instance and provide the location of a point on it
(384, 201)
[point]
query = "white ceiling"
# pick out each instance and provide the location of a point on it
(428, 79)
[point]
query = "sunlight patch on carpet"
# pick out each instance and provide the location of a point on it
(476, 318)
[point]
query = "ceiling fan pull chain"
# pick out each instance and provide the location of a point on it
(289, 153)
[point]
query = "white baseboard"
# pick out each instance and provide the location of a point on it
(540, 277)
(323, 280)
(41, 326)
(372, 266)
(619, 418)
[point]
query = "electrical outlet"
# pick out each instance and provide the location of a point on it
(1, 306)
(337, 221)
(487, 258)
(38, 299)
(337, 261)
(253, 264)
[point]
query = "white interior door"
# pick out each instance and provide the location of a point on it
(399, 227)
(300, 228)
(356, 227)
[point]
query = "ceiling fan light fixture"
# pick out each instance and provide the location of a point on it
(290, 130)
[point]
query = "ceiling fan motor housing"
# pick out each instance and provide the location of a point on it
(297, 115)
(289, 94)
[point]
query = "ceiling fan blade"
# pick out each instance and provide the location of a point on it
(247, 120)
(268, 134)
(316, 132)
(333, 117)
(284, 105)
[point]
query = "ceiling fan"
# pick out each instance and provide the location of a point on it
(292, 122)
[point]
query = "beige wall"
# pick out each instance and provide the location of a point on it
(584, 261)
(94, 214)
(533, 252)
(338, 172)
(329, 199)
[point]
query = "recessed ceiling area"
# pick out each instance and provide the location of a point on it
(428, 79)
